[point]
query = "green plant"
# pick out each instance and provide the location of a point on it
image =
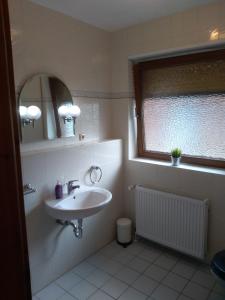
(176, 152)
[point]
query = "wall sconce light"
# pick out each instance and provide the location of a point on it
(69, 112)
(214, 35)
(29, 114)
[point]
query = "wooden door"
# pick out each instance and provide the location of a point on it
(14, 263)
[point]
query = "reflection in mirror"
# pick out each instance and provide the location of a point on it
(46, 109)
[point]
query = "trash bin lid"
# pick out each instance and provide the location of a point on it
(124, 222)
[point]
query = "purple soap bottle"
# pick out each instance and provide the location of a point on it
(58, 190)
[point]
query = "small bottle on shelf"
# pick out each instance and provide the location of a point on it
(58, 190)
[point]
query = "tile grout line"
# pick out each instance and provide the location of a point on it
(140, 273)
(161, 282)
(143, 273)
(134, 255)
(130, 284)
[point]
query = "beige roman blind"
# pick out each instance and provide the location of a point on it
(204, 77)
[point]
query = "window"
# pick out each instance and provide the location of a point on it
(180, 102)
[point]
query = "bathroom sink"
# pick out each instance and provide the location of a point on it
(80, 204)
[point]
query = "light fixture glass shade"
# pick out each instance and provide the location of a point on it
(33, 112)
(63, 111)
(23, 112)
(74, 111)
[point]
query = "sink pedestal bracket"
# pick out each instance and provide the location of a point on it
(77, 228)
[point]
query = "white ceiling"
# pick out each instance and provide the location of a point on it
(116, 14)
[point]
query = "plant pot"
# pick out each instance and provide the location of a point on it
(175, 161)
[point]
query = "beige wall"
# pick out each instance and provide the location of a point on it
(94, 63)
(183, 30)
(52, 42)
(53, 249)
(79, 54)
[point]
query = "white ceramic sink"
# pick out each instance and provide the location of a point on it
(82, 203)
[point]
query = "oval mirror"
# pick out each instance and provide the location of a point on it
(46, 109)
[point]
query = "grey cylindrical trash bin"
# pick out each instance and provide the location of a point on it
(124, 231)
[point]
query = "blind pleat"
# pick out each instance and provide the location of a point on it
(187, 79)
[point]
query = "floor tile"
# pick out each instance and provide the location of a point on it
(150, 254)
(156, 273)
(135, 248)
(204, 279)
(219, 289)
(205, 268)
(164, 293)
(195, 291)
(51, 292)
(127, 275)
(111, 267)
(191, 261)
(68, 280)
(183, 269)
(96, 260)
(83, 290)
(124, 257)
(114, 287)
(110, 251)
(99, 295)
(166, 262)
(66, 297)
(114, 243)
(83, 269)
(98, 278)
(173, 253)
(165, 276)
(138, 264)
(175, 282)
(145, 285)
(215, 296)
(182, 297)
(150, 244)
(132, 294)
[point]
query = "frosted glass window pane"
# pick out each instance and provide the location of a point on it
(196, 124)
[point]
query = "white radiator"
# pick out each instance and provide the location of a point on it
(174, 221)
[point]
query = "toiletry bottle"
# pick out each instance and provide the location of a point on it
(64, 185)
(58, 190)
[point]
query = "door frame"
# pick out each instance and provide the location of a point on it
(15, 282)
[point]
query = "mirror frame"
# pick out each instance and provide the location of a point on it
(57, 120)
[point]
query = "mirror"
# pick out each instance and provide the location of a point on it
(46, 109)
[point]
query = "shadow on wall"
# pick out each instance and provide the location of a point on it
(38, 235)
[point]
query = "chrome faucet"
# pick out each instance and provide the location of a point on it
(71, 187)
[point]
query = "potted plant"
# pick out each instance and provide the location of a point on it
(176, 156)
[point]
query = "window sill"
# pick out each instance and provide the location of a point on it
(188, 167)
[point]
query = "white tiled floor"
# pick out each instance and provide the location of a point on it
(141, 271)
